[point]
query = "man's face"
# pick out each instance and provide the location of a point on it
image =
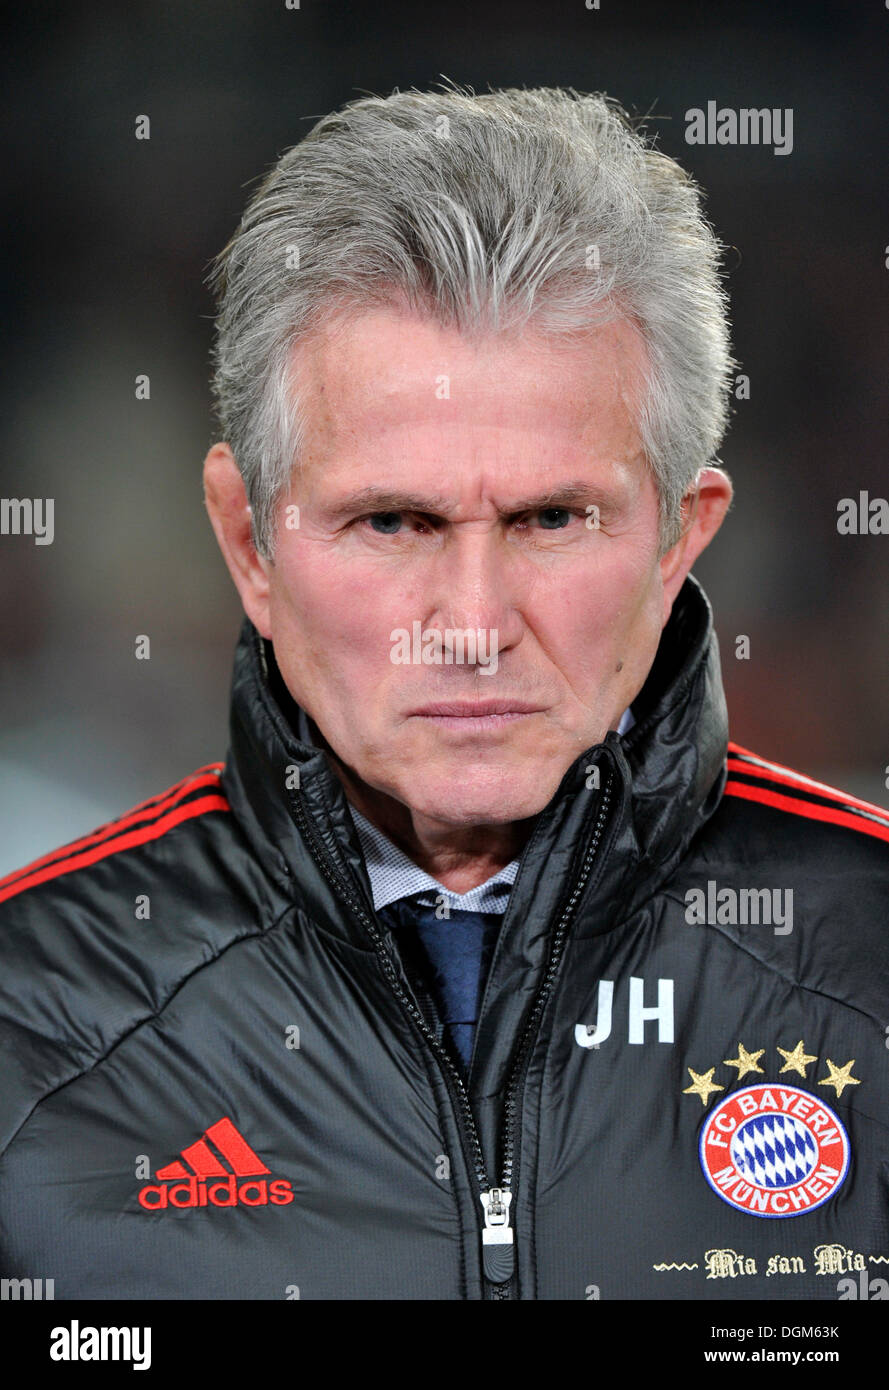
(452, 484)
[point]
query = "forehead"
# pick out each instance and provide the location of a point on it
(382, 376)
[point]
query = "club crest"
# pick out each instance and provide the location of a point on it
(774, 1150)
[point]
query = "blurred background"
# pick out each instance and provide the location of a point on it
(108, 244)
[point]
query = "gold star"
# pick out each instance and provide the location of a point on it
(839, 1076)
(745, 1061)
(797, 1060)
(702, 1085)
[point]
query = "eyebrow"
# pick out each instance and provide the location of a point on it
(382, 499)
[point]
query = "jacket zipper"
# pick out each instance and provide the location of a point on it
(498, 1240)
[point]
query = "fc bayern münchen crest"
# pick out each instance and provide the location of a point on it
(774, 1150)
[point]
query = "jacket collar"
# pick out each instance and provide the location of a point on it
(668, 773)
(671, 765)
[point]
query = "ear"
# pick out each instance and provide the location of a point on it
(231, 517)
(703, 510)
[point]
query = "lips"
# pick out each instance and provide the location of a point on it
(474, 709)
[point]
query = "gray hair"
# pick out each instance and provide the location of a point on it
(542, 207)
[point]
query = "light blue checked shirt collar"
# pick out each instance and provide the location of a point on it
(393, 875)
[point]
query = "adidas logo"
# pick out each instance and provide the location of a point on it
(202, 1178)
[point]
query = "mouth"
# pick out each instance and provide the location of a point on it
(469, 716)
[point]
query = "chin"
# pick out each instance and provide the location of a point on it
(476, 796)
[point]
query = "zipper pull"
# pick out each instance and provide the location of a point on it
(498, 1252)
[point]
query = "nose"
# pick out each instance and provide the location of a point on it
(474, 585)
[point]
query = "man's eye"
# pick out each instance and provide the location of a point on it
(554, 518)
(386, 523)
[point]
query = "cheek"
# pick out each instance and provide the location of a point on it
(600, 607)
(329, 616)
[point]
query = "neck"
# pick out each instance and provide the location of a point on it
(459, 857)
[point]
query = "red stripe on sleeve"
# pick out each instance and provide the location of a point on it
(105, 832)
(805, 784)
(808, 809)
(118, 844)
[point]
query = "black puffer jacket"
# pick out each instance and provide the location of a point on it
(217, 1080)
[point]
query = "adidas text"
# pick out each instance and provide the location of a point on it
(225, 1192)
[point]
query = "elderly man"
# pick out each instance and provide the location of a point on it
(486, 967)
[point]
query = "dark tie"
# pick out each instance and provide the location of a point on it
(458, 950)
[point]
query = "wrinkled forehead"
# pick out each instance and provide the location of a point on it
(384, 380)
